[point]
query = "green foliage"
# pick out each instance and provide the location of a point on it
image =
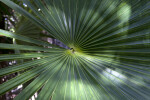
(110, 55)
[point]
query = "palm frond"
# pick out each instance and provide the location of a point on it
(109, 57)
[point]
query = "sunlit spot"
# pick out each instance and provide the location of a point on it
(124, 12)
(114, 75)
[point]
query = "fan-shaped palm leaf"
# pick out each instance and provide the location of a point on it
(109, 55)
